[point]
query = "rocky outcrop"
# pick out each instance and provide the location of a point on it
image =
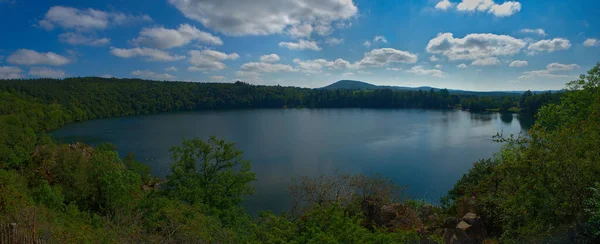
(468, 230)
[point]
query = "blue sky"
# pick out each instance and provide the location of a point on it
(459, 44)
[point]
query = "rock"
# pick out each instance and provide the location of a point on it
(463, 225)
(471, 218)
(448, 234)
(450, 222)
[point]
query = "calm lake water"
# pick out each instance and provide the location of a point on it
(427, 150)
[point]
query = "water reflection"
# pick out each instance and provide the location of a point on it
(425, 149)
(507, 118)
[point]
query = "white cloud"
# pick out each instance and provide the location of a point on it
(265, 17)
(257, 67)
(591, 42)
(561, 67)
(150, 53)
(172, 69)
(367, 44)
(540, 32)
(10, 72)
(80, 39)
(379, 39)
(486, 61)
(474, 46)
(300, 31)
(107, 76)
(518, 63)
(443, 5)
(348, 74)
(437, 66)
(419, 70)
(163, 38)
(384, 56)
(217, 77)
(147, 74)
(394, 69)
(46, 72)
(317, 65)
(334, 41)
(555, 44)
(301, 45)
(462, 66)
(550, 71)
(209, 60)
(271, 58)
(505, 9)
(31, 57)
(433, 58)
(85, 19)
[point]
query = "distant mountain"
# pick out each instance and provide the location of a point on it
(360, 85)
(351, 85)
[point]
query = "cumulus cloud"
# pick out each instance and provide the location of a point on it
(443, 5)
(555, 44)
(80, 39)
(163, 38)
(334, 41)
(46, 72)
(550, 71)
(10, 72)
(150, 53)
(31, 57)
(258, 67)
(437, 66)
(300, 31)
(384, 56)
(379, 39)
(518, 64)
(505, 9)
(540, 32)
(265, 17)
(301, 45)
(317, 65)
(271, 58)
(209, 60)
(147, 74)
(85, 19)
(433, 58)
(474, 46)
(591, 42)
(172, 69)
(486, 61)
(394, 69)
(462, 66)
(367, 44)
(420, 70)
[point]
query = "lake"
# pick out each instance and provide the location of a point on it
(427, 150)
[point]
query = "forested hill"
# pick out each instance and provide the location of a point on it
(360, 85)
(93, 97)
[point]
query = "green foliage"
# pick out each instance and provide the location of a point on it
(211, 173)
(593, 210)
(536, 188)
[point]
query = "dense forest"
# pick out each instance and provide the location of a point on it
(540, 187)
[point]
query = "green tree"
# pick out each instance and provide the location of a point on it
(211, 173)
